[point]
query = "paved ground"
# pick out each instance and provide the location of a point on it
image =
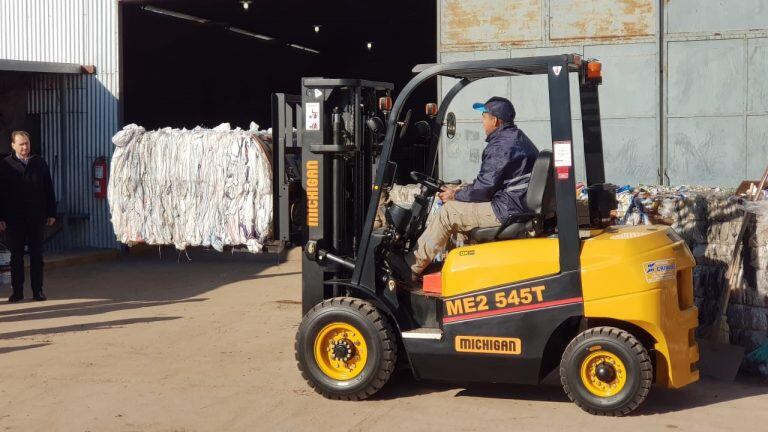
(143, 344)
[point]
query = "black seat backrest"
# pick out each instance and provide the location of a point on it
(541, 198)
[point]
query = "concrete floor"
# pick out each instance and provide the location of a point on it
(144, 344)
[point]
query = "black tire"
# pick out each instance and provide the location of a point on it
(378, 336)
(624, 346)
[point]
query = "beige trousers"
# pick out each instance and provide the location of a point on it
(453, 217)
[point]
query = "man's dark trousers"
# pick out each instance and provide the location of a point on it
(31, 235)
(27, 202)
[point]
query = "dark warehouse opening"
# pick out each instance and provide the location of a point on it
(202, 63)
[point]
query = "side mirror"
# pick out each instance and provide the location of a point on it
(450, 123)
(405, 123)
(389, 175)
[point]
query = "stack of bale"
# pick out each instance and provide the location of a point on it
(709, 221)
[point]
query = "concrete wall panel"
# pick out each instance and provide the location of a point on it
(578, 19)
(757, 72)
(530, 94)
(478, 91)
(757, 146)
(472, 23)
(631, 150)
(707, 151)
(707, 77)
(461, 155)
(698, 16)
(629, 71)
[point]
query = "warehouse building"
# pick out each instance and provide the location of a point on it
(59, 79)
(684, 105)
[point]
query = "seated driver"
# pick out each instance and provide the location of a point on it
(498, 191)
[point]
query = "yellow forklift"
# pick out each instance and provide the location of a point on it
(609, 307)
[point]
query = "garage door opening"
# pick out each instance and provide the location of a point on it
(201, 63)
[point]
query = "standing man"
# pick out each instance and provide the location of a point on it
(27, 203)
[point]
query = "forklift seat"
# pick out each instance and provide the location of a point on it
(539, 199)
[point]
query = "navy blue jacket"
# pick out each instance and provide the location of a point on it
(504, 172)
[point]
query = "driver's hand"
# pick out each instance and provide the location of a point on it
(447, 194)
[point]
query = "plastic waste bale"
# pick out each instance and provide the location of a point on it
(199, 187)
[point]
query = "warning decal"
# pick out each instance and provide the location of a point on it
(562, 150)
(313, 116)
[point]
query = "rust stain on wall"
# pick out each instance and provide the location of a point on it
(601, 19)
(481, 22)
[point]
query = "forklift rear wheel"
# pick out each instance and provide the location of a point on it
(345, 349)
(606, 371)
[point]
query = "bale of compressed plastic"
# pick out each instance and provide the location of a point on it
(199, 187)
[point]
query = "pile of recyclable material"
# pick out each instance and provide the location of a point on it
(709, 220)
(199, 187)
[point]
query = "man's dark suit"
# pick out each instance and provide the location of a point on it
(27, 199)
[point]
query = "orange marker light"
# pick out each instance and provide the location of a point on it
(385, 103)
(594, 70)
(431, 109)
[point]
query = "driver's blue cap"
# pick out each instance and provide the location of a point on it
(498, 107)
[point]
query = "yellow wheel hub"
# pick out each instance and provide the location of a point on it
(603, 373)
(340, 351)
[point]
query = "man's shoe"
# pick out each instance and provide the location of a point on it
(15, 298)
(39, 296)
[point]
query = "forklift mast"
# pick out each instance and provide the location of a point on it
(339, 153)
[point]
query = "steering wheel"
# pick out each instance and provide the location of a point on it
(432, 183)
(405, 123)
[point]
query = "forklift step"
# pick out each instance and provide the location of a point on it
(423, 333)
(424, 293)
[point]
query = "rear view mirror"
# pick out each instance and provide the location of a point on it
(450, 123)
(389, 175)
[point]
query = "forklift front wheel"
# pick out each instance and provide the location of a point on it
(606, 371)
(345, 349)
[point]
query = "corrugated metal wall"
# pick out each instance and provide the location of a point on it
(71, 31)
(691, 104)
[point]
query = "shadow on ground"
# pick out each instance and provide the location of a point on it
(85, 309)
(6, 350)
(703, 393)
(132, 282)
(82, 327)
